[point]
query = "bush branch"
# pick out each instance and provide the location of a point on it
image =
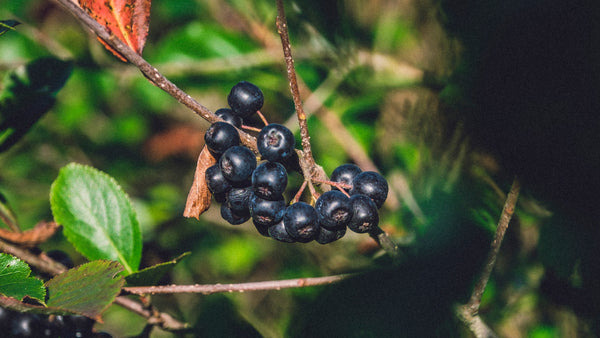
(291, 74)
(240, 287)
(151, 73)
(469, 313)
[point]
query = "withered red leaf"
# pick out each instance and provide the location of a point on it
(128, 20)
(199, 197)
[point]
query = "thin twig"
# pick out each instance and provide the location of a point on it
(240, 287)
(469, 313)
(291, 74)
(151, 73)
(387, 244)
(164, 320)
(507, 212)
(45, 264)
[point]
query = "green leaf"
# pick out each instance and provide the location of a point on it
(96, 215)
(29, 92)
(15, 281)
(87, 289)
(151, 275)
(6, 25)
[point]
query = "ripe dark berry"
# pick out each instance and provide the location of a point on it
(237, 163)
(371, 184)
(233, 217)
(301, 222)
(264, 212)
(61, 257)
(6, 316)
(345, 174)
(269, 180)
(26, 325)
(229, 116)
(77, 326)
(278, 232)
(275, 142)
(245, 99)
(333, 208)
(262, 229)
(238, 199)
(327, 236)
(221, 136)
(216, 182)
(364, 214)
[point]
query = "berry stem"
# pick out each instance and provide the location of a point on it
(341, 186)
(291, 73)
(250, 128)
(299, 193)
(262, 117)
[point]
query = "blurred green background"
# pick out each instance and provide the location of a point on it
(384, 84)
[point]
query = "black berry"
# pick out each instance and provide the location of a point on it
(364, 214)
(216, 182)
(77, 326)
(221, 136)
(229, 116)
(345, 174)
(275, 142)
(301, 222)
(269, 180)
(245, 99)
(371, 184)
(237, 163)
(238, 199)
(5, 319)
(262, 229)
(333, 208)
(233, 217)
(327, 236)
(265, 212)
(26, 325)
(278, 232)
(61, 257)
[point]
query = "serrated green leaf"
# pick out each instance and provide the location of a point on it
(29, 92)
(151, 275)
(87, 289)
(15, 281)
(96, 215)
(6, 25)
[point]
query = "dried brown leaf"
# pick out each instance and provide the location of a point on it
(199, 197)
(39, 234)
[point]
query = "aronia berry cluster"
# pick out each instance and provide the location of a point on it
(247, 189)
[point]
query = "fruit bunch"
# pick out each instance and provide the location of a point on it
(248, 189)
